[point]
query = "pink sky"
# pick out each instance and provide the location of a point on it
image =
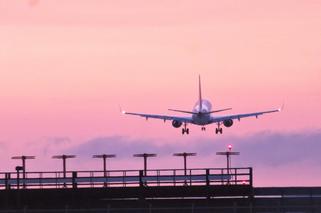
(66, 66)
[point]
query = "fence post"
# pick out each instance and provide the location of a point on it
(141, 174)
(74, 182)
(251, 176)
(7, 178)
(207, 177)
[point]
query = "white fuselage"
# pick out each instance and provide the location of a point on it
(202, 109)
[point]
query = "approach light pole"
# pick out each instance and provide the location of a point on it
(228, 155)
(23, 158)
(104, 157)
(185, 155)
(145, 156)
(64, 158)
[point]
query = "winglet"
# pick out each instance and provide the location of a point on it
(281, 108)
(121, 110)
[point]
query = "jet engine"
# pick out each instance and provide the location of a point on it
(176, 123)
(228, 123)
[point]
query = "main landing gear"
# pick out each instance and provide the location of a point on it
(185, 130)
(219, 129)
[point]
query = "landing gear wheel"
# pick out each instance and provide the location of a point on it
(185, 130)
(203, 128)
(219, 130)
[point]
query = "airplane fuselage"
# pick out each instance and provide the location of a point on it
(202, 109)
(202, 115)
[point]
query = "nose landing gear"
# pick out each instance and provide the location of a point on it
(203, 128)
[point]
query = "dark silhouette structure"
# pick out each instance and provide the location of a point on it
(64, 166)
(24, 168)
(145, 156)
(228, 155)
(104, 157)
(184, 155)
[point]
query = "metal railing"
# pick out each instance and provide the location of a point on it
(127, 178)
(275, 208)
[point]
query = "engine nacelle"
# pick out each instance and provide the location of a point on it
(228, 123)
(176, 123)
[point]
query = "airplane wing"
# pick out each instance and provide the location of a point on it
(161, 117)
(239, 116)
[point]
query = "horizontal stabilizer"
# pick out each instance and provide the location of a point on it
(196, 113)
(220, 110)
(183, 111)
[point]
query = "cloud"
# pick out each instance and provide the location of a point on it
(275, 149)
(263, 148)
(48, 145)
(123, 147)
(277, 158)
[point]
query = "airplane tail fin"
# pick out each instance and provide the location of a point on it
(200, 93)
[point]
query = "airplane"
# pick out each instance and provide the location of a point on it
(202, 115)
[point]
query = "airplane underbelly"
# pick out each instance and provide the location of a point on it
(201, 120)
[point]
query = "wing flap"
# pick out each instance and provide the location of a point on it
(160, 117)
(239, 116)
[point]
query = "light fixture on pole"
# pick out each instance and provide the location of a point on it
(104, 157)
(24, 169)
(228, 155)
(64, 158)
(184, 155)
(145, 156)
